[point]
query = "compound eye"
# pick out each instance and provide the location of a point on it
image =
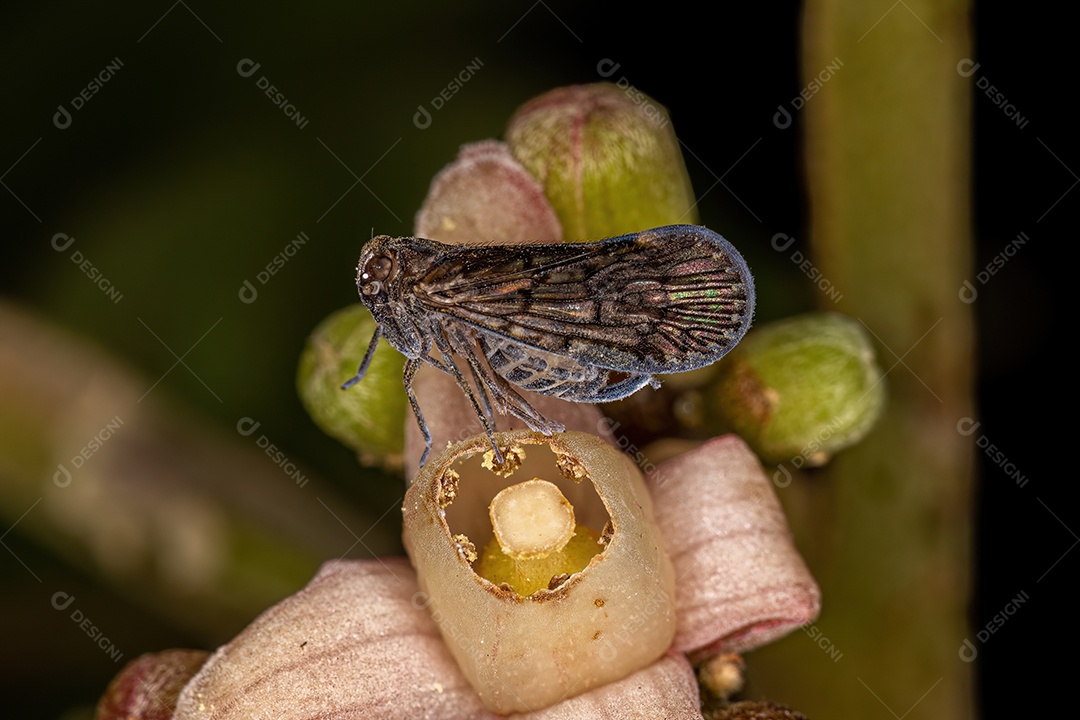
(377, 268)
(375, 271)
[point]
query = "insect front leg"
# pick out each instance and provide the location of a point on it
(411, 366)
(366, 361)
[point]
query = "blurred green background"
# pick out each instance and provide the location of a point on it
(180, 180)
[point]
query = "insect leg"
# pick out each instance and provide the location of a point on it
(485, 419)
(411, 366)
(366, 361)
(481, 388)
(511, 402)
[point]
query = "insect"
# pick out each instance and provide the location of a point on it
(588, 322)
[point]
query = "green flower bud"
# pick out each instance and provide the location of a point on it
(608, 164)
(804, 387)
(369, 417)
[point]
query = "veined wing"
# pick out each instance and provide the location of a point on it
(664, 300)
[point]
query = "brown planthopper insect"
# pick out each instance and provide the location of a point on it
(588, 322)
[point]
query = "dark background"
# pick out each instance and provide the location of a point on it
(180, 179)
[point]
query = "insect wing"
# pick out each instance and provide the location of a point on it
(558, 375)
(664, 300)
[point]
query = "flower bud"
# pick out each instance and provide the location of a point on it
(608, 161)
(799, 389)
(584, 627)
(370, 416)
(148, 686)
(486, 197)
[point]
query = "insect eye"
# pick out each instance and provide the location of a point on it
(378, 268)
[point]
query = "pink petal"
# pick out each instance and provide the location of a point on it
(485, 196)
(740, 582)
(665, 689)
(352, 644)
